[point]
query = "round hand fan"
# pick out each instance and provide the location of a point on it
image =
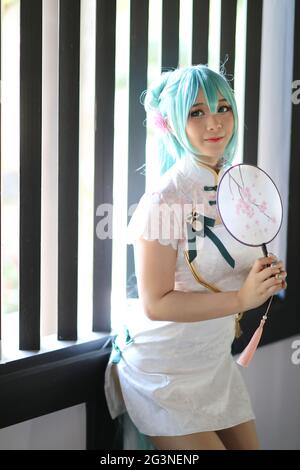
(249, 205)
(250, 208)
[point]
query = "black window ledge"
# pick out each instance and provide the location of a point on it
(48, 382)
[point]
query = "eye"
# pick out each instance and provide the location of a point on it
(224, 109)
(197, 113)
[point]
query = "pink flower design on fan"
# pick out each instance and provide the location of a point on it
(263, 206)
(244, 207)
(247, 202)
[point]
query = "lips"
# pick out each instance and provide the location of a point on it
(214, 139)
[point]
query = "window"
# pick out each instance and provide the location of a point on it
(92, 128)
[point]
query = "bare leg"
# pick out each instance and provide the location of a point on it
(240, 437)
(195, 441)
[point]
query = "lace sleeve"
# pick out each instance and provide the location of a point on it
(155, 219)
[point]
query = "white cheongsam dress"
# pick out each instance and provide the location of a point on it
(177, 378)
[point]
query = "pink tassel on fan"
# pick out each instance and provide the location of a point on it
(248, 353)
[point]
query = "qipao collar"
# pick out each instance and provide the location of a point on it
(197, 170)
(199, 183)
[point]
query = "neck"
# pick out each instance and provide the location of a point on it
(213, 162)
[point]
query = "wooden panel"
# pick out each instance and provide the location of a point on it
(252, 80)
(137, 131)
(170, 34)
(30, 172)
(69, 53)
(104, 148)
(228, 27)
(200, 32)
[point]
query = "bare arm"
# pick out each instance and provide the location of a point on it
(155, 271)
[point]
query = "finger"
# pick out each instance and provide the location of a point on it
(261, 263)
(274, 258)
(271, 282)
(270, 271)
(282, 275)
(274, 289)
(277, 264)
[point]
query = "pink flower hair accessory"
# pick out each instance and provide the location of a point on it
(160, 122)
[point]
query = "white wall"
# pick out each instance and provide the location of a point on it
(275, 107)
(63, 430)
(273, 382)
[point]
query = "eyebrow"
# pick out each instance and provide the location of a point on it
(205, 104)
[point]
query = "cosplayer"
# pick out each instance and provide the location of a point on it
(172, 370)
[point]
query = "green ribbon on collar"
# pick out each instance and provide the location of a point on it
(205, 231)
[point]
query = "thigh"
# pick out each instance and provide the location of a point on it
(240, 437)
(195, 441)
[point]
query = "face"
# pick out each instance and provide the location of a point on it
(207, 132)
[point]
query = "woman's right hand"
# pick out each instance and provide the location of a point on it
(262, 283)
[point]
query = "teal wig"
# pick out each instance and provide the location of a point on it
(171, 98)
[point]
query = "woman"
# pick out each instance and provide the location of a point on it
(172, 370)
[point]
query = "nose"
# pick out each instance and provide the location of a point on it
(213, 121)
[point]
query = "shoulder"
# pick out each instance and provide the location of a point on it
(168, 189)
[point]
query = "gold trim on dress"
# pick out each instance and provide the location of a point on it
(198, 277)
(215, 290)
